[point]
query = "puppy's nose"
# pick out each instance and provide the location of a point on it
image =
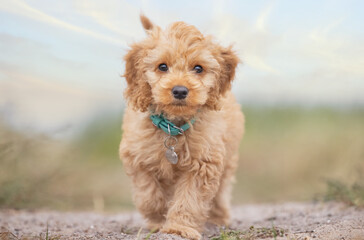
(179, 92)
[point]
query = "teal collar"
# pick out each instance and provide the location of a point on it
(169, 127)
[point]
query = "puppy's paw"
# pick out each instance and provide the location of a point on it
(183, 231)
(154, 226)
(219, 221)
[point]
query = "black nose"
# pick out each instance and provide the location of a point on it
(179, 92)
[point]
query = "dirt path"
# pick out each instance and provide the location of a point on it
(297, 221)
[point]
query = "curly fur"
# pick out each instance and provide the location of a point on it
(181, 198)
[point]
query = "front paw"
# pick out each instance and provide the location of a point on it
(155, 226)
(183, 231)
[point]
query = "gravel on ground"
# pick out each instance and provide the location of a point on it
(325, 221)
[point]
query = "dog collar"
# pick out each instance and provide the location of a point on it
(168, 127)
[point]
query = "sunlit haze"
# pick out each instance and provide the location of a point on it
(61, 61)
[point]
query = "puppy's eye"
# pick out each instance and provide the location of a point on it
(163, 67)
(198, 69)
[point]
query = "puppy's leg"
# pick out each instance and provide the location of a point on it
(220, 211)
(192, 199)
(149, 198)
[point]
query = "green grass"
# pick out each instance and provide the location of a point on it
(350, 194)
(286, 155)
(250, 234)
(150, 234)
(48, 236)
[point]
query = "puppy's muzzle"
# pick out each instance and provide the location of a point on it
(180, 92)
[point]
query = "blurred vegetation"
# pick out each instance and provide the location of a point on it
(251, 234)
(83, 173)
(349, 194)
(286, 154)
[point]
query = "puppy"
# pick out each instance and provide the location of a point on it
(181, 129)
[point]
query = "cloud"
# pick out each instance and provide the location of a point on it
(332, 50)
(253, 42)
(262, 18)
(114, 15)
(21, 8)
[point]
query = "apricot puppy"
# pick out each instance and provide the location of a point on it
(181, 129)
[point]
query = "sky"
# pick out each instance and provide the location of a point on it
(61, 61)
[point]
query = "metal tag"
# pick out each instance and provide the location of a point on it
(171, 156)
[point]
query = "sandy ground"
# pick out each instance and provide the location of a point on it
(299, 221)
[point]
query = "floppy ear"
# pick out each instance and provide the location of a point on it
(228, 64)
(228, 61)
(138, 92)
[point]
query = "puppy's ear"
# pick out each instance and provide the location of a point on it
(147, 24)
(138, 92)
(228, 61)
(149, 27)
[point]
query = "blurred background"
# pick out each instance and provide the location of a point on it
(301, 86)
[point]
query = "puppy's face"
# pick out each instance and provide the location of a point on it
(177, 71)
